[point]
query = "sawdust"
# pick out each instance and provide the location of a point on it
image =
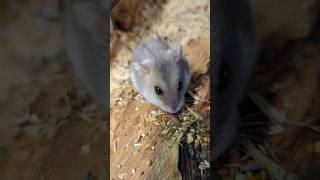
(139, 131)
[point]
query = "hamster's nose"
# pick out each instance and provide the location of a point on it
(174, 107)
(173, 103)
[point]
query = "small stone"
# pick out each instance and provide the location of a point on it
(121, 176)
(34, 118)
(224, 172)
(137, 145)
(149, 163)
(205, 139)
(317, 147)
(133, 170)
(206, 163)
(85, 149)
(276, 129)
(240, 176)
(190, 138)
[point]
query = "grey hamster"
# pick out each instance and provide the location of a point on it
(160, 74)
(234, 57)
(86, 28)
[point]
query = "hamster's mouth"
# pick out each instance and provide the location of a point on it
(173, 111)
(168, 110)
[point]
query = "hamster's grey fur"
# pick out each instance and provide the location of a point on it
(87, 26)
(234, 56)
(156, 65)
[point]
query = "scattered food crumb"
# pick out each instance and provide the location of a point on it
(137, 145)
(317, 147)
(276, 129)
(85, 149)
(189, 138)
(121, 176)
(133, 170)
(149, 163)
(204, 165)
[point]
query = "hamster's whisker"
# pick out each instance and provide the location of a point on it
(194, 100)
(251, 115)
(252, 130)
(249, 136)
(255, 123)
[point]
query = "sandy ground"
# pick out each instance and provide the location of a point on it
(49, 128)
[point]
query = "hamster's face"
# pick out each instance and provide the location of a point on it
(161, 75)
(167, 84)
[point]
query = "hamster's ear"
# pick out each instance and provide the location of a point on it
(176, 54)
(86, 14)
(142, 67)
(111, 25)
(92, 18)
(179, 52)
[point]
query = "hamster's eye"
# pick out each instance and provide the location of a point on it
(226, 74)
(179, 86)
(157, 90)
